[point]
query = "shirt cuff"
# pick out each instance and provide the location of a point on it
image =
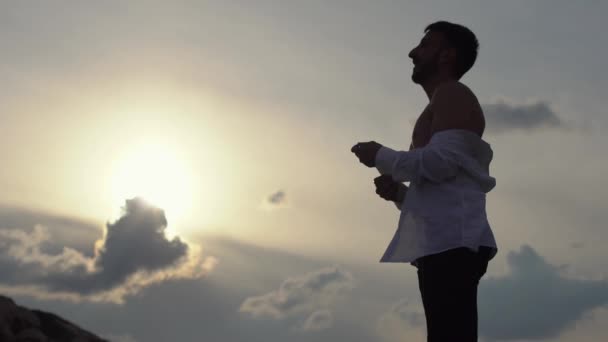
(385, 159)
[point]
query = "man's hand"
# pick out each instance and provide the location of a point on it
(387, 188)
(366, 152)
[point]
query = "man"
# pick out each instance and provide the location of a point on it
(443, 229)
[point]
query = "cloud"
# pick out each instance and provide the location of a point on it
(503, 117)
(310, 295)
(70, 231)
(317, 321)
(535, 301)
(404, 310)
(133, 253)
(277, 198)
(214, 302)
(404, 318)
(274, 201)
(141, 229)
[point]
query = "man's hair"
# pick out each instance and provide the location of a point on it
(462, 40)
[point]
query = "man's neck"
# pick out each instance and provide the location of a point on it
(430, 85)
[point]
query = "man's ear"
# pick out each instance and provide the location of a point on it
(447, 55)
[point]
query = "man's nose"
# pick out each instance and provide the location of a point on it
(411, 54)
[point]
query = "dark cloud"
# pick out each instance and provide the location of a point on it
(503, 117)
(133, 253)
(535, 301)
(303, 295)
(275, 200)
(142, 231)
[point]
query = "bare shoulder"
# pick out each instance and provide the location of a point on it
(454, 91)
(455, 106)
(466, 91)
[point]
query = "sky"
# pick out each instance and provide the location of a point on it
(234, 121)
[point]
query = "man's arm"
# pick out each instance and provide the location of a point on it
(451, 106)
(430, 162)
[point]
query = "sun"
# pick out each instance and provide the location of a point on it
(158, 174)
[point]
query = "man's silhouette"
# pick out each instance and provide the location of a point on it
(443, 228)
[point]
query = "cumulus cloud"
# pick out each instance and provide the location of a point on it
(310, 295)
(535, 301)
(133, 253)
(503, 117)
(274, 201)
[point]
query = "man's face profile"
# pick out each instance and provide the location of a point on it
(426, 57)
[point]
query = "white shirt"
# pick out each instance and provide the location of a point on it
(445, 205)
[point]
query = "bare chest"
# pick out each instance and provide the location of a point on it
(421, 134)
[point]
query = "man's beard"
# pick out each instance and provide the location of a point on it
(424, 71)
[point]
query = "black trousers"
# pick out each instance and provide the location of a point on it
(448, 285)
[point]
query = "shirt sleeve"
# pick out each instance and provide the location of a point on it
(431, 162)
(402, 192)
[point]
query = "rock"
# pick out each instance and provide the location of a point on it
(7, 306)
(59, 329)
(6, 335)
(19, 324)
(23, 319)
(31, 335)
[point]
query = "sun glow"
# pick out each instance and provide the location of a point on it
(157, 174)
